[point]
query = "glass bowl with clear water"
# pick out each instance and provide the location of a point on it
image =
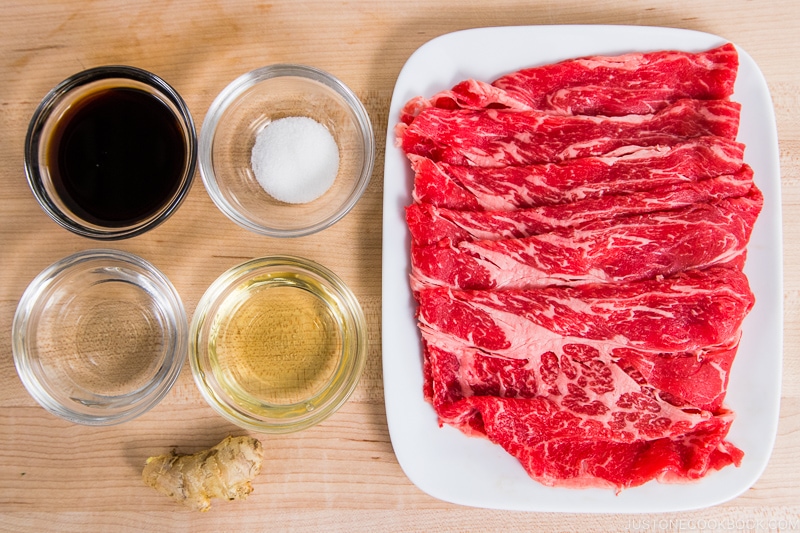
(99, 337)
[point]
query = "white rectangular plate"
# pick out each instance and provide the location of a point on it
(472, 471)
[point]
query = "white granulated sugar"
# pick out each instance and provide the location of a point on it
(295, 159)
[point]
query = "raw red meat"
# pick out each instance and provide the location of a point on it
(692, 310)
(490, 354)
(631, 83)
(657, 332)
(578, 237)
(588, 387)
(492, 138)
(637, 83)
(614, 412)
(694, 379)
(454, 370)
(558, 447)
(429, 224)
(629, 169)
(615, 250)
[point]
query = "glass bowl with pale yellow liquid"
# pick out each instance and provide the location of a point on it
(277, 344)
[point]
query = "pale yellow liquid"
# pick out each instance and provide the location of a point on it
(275, 343)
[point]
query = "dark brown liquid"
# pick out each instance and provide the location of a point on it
(117, 157)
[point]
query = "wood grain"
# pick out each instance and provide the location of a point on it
(341, 475)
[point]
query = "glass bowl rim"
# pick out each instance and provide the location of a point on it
(52, 275)
(42, 114)
(217, 292)
(242, 84)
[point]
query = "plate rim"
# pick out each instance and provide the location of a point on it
(398, 420)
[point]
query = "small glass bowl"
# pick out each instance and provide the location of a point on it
(277, 344)
(99, 337)
(76, 207)
(250, 103)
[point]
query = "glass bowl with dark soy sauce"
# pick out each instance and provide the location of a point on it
(111, 152)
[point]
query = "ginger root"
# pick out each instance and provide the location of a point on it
(224, 471)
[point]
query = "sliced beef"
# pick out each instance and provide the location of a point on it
(692, 310)
(544, 371)
(629, 169)
(559, 447)
(579, 232)
(696, 379)
(636, 83)
(492, 138)
(613, 251)
(429, 224)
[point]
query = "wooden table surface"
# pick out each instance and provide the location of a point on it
(341, 475)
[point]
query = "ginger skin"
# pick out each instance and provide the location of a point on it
(224, 472)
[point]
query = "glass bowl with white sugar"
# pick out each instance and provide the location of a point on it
(286, 150)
